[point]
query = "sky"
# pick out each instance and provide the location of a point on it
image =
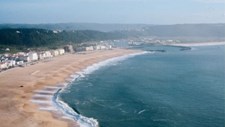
(112, 11)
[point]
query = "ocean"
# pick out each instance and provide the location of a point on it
(164, 86)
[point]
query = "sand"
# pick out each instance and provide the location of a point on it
(198, 44)
(18, 85)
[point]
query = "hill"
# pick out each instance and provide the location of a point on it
(188, 30)
(79, 26)
(38, 35)
(42, 37)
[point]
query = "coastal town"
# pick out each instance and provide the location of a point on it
(23, 59)
(32, 56)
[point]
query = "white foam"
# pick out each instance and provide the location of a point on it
(72, 78)
(57, 104)
(110, 61)
(66, 117)
(76, 76)
(80, 74)
(52, 87)
(141, 111)
(45, 91)
(65, 84)
(48, 108)
(41, 101)
(43, 95)
(82, 120)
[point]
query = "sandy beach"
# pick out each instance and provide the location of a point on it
(198, 44)
(18, 86)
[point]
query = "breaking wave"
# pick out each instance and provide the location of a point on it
(110, 61)
(73, 113)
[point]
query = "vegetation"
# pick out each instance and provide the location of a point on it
(42, 37)
(23, 36)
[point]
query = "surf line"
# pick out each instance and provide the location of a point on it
(56, 104)
(73, 112)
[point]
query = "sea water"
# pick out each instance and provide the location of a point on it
(172, 88)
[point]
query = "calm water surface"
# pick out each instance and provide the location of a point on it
(165, 89)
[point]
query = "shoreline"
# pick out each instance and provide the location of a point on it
(198, 44)
(72, 113)
(20, 86)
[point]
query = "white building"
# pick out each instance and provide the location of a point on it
(7, 49)
(55, 52)
(97, 47)
(69, 48)
(41, 55)
(89, 48)
(3, 66)
(33, 56)
(102, 47)
(44, 55)
(48, 54)
(61, 51)
(11, 63)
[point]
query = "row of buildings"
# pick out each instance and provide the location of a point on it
(8, 61)
(93, 47)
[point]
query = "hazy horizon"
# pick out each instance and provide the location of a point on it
(51, 23)
(161, 12)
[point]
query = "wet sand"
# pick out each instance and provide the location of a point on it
(20, 85)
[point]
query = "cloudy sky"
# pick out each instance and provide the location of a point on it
(112, 11)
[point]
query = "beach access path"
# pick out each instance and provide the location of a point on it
(17, 87)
